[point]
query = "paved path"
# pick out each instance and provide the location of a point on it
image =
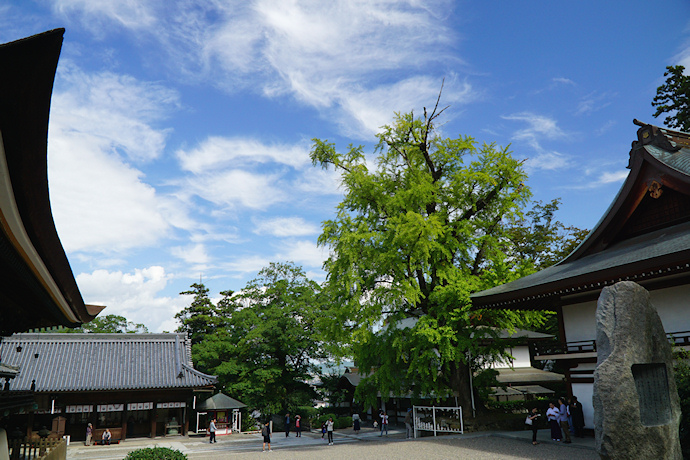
(366, 446)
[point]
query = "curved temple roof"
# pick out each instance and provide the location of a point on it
(95, 362)
(37, 286)
(643, 236)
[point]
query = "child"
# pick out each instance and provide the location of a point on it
(323, 430)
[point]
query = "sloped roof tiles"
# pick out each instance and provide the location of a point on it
(94, 362)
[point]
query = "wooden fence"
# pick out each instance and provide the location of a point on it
(38, 449)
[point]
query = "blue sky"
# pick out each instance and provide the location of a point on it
(180, 130)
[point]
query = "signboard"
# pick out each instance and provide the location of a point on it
(171, 405)
(79, 409)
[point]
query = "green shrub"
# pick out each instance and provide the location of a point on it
(682, 375)
(342, 422)
(249, 423)
(156, 453)
(510, 407)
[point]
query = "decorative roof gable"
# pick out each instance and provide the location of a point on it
(644, 234)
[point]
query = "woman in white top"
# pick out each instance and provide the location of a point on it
(329, 430)
(552, 416)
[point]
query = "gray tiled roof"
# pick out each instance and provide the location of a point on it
(621, 260)
(92, 362)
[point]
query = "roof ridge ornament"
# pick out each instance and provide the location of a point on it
(654, 135)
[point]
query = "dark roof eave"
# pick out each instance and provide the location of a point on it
(542, 296)
(25, 93)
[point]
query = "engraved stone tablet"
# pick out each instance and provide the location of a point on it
(636, 408)
(651, 382)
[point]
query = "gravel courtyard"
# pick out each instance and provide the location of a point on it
(489, 447)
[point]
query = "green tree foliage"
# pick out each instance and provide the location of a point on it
(673, 97)
(538, 240)
(682, 376)
(107, 324)
(202, 317)
(264, 353)
(412, 238)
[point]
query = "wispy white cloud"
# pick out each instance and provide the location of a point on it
(548, 161)
(564, 81)
(303, 252)
(135, 295)
(97, 14)
(600, 179)
(285, 226)
(219, 152)
(540, 128)
(334, 56)
(99, 122)
(593, 102)
(118, 111)
(195, 254)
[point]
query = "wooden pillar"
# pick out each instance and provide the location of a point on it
(124, 422)
(153, 421)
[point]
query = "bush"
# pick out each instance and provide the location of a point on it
(342, 422)
(510, 407)
(682, 375)
(156, 453)
(249, 423)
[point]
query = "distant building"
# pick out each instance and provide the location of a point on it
(644, 236)
(518, 379)
(134, 384)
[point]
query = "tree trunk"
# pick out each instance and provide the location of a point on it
(460, 382)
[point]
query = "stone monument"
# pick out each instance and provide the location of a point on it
(636, 407)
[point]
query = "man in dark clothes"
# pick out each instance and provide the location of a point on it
(578, 417)
(287, 424)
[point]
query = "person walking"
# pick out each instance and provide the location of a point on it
(287, 424)
(212, 431)
(578, 417)
(329, 428)
(384, 423)
(298, 426)
(408, 424)
(266, 433)
(355, 423)
(552, 417)
(563, 419)
(531, 421)
(89, 434)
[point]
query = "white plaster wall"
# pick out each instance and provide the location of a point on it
(584, 393)
(520, 355)
(673, 306)
(579, 321)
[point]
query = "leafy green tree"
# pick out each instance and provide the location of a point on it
(107, 324)
(202, 317)
(265, 353)
(538, 240)
(673, 97)
(412, 238)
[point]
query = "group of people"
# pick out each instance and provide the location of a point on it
(298, 425)
(106, 436)
(266, 431)
(560, 418)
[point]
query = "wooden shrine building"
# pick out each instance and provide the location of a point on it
(134, 384)
(644, 236)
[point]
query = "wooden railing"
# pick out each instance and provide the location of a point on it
(563, 348)
(586, 346)
(38, 449)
